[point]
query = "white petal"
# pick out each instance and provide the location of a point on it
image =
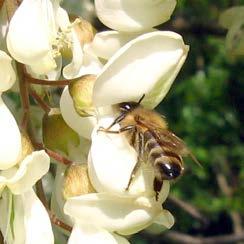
(37, 226)
(7, 74)
(165, 218)
(111, 212)
(71, 70)
(128, 16)
(31, 169)
(10, 140)
(6, 208)
(92, 235)
(106, 43)
(146, 65)
(31, 31)
(112, 159)
(82, 125)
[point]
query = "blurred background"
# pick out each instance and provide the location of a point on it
(205, 107)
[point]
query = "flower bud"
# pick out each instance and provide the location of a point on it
(84, 30)
(57, 135)
(76, 181)
(27, 147)
(81, 92)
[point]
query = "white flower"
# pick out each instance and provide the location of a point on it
(128, 19)
(37, 33)
(20, 209)
(146, 65)
(158, 54)
(10, 144)
(134, 16)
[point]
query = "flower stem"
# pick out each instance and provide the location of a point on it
(53, 154)
(24, 95)
(40, 101)
(41, 194)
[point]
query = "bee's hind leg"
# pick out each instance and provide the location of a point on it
(138, 144)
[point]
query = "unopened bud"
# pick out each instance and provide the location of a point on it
(27, 147)
(84, 30)
(81, 92)
(76, 181)
(57, 135)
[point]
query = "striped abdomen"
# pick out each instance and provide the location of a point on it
(166, 163)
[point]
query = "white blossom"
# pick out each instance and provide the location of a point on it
(38, 31)
(20, 209)
(133, 16)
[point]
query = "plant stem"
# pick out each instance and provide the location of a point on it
(24, 95)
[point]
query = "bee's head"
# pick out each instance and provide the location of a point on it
(126, 107)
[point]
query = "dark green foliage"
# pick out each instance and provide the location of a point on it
(205, 107)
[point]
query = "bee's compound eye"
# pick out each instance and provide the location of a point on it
(127, 106)
(169, 171)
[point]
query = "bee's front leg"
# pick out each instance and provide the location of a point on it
(123, 129)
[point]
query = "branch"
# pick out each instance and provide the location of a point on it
(182, 26)
(184, 238)
(190, 209)
(24, 95)
(53, 154)
(41, 194)
(45, 107)
(1, 238)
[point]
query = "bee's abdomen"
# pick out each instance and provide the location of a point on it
(168, 163)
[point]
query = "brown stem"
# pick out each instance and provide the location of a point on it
(1, 238)
(183, 26)
(24, 95)
(46, 108)
(41, 194)
(228, 191)
(54, 155)
(184, 238)
(58, 222)
(190, 209)
(47, 82)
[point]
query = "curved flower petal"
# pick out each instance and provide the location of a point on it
(113, 213)
(93, 235)
(31, 32)
(106, 43)
(10, 141)
(112, 159)
(7, 74)
(124, 15)
(146, 65)
(165, 218)
(83, 126)
(31, 220)
(6, 208)
(31, 169)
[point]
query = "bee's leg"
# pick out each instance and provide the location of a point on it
(116, 121)
(138, 144)
(123, 129)
(157, 186)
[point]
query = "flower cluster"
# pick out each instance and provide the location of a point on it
(105, 68)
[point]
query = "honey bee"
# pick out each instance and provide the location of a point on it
(147, 131)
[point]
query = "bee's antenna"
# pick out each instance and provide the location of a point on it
(195, 159)
(141, 99)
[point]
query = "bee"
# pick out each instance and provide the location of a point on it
(147, 131)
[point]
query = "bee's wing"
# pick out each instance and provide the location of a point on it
(172, 142)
